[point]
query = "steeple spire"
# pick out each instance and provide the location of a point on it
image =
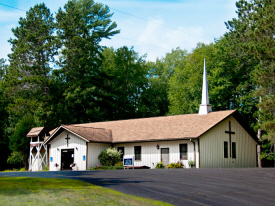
(205, 107)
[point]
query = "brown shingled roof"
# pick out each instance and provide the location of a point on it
(91, 134)
(35, 131)
(152, 129)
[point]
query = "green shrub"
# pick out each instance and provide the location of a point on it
(106, 168)
(191, 163)
(15, 159)
(175, 165)
(119, 164)
(160, 165)
(109, 157)
(46, 168)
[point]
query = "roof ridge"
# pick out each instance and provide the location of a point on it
(152, 117)
(84, 126)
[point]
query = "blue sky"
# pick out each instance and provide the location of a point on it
(162, 25)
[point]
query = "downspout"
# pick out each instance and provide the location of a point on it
(199, 152)
(194, 149)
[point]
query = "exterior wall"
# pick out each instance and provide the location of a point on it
(212, 147)
(61, 143)
(94, 150)
(150, 155)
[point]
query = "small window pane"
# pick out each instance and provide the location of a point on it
(137, 152)
(225, 149)
(233, 149)
(183, 152)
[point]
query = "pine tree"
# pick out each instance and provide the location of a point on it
(253, 34)
(33, 49)
(81, 27)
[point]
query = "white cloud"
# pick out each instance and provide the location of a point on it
(165, 39)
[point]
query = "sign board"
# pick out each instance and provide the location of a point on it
(128, 160)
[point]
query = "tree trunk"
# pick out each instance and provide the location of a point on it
(259, 137)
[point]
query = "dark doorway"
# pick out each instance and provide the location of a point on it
(67, 158)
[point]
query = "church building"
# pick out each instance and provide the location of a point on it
(218, 139)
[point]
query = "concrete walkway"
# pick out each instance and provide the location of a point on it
(181, 186)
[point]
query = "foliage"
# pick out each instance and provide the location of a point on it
(4, 123)
(18, 140)
(16, 170)
(119, 164)
(80, 28)
(127, 81)
(107, 168)
(160, 165)
(15, 159)
(109, 157)
(175, 165)
(22, 191)
(46, 168)
(191, 163)
(251, 36)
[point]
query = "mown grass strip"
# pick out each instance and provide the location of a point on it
(50, 191)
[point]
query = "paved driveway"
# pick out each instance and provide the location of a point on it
(181, 186)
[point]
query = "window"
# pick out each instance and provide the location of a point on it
(233, 149)
(225, 149)
(122, 149)
(137, 152)
(183, 152)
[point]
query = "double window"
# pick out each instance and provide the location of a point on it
(183, 152)
(137, 152)
(225, 150)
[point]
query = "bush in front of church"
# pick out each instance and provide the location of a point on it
(109, 157)
(160, 165)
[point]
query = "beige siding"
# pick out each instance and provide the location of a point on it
(61, 143)
(94, 150)
(212, 147)
(150, 155)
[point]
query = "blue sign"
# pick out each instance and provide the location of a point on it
(84, 157)
(128, 160)
(51, 159)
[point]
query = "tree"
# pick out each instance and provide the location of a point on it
(81, 27)
(185, 85)
(33, 49)
(253, 32)
(4, 140)
(18, 140)
(128, 81)
(156, 96)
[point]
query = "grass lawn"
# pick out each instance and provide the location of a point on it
(46, 191)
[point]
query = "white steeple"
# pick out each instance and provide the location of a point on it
(205, 107)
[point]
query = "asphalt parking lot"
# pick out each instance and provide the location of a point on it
(181, 186)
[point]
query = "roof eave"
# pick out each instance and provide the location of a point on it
(154, 140)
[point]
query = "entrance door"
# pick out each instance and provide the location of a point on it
(165, 156)
(67, 158)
